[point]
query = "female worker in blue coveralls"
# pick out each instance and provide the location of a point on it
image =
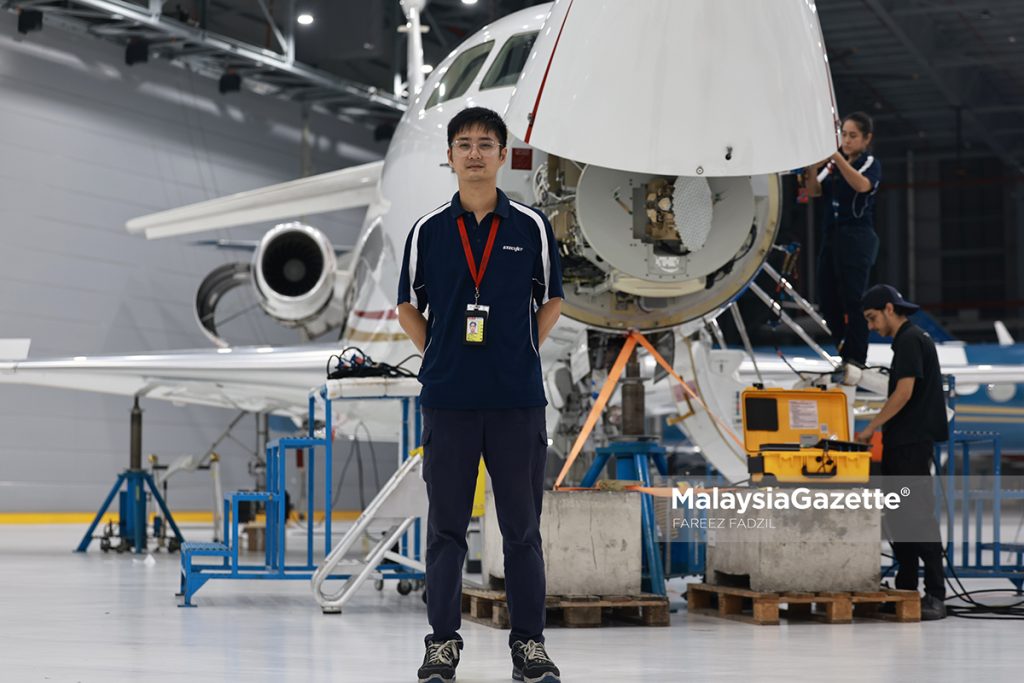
(847, 182)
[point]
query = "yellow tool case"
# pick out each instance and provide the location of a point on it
(801, 436)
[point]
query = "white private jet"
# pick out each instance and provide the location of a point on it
(652, 134)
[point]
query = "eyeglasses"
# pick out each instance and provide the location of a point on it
(486, 148)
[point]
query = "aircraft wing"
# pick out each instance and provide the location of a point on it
(256, 379)
(775, 370)
(347, 188)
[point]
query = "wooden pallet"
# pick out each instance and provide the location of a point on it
(831, 608)
(576, 611)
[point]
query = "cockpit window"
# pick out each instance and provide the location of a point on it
(460, 74)
(510, 61)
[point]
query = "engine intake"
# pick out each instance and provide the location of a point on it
(294, 272)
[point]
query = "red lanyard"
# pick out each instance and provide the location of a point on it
(478, 275)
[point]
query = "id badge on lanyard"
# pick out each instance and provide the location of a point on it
(475, 328)
(476, 324)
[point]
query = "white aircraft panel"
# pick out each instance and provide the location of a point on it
(679, 87)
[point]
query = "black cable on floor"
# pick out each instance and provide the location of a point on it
(979, 610)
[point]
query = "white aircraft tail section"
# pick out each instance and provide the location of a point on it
(347, 188)
(1003, 334)
(14, 349)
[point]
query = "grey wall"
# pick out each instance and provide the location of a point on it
(85, 144)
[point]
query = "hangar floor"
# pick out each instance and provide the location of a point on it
(92, 618)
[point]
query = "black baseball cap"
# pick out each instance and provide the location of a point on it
(878, 296)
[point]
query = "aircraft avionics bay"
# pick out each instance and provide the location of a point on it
(209, 396)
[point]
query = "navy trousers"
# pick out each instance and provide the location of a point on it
(844, 267)
(514, 447)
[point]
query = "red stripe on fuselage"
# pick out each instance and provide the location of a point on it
(387, 314)
(536, 104)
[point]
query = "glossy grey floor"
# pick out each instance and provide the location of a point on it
(96, 617)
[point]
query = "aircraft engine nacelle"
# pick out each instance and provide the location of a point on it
(295, 272)
(649, 251)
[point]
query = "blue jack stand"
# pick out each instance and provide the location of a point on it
(132, 504)
(132, 511)
(632, 462)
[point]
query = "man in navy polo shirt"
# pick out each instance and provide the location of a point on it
(486, 272)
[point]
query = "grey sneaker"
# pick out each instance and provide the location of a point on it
(932, 608)
(439, 662)
(531, 664)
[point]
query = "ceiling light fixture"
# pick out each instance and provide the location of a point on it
(468, 2)
(305, 19)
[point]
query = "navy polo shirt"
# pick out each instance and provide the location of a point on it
(841, 204)
(523, 273)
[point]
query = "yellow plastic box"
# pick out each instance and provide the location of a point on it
(801, 436)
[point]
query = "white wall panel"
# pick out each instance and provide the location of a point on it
(85, 144)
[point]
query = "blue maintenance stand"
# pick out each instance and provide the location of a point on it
(227, 563)
(976, 497)
(632, 463)
(131, 511)
(132, 520)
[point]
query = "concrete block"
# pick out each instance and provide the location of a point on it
(592, 542)
(803, 551)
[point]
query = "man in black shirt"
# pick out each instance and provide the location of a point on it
(912, 420)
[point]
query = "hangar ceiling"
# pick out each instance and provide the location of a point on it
(944, 78)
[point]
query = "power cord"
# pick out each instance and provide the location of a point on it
(975, 609)
(778, 351)
(358, 364)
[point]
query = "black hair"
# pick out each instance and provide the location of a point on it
(487, 119)
(863, 121)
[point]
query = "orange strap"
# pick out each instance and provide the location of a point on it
(595, 412)
(660, 491)
(686, 387)
(606, 393)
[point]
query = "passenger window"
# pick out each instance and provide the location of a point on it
(510, 62)
(460, 74)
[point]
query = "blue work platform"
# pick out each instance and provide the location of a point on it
(196, 566)
(968, 498)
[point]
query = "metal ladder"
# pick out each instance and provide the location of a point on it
(804, 305)
(404, 499)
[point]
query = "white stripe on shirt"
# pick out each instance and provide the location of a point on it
(545, 256)
(863, 168)
(414, 252)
